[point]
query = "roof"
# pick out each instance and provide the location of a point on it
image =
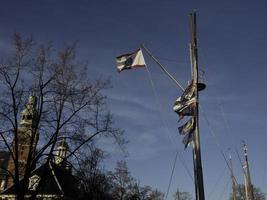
(55, 180)
(4, 157)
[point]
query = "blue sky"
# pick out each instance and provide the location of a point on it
(232, 51)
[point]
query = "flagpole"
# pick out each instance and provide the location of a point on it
(200, 195)
(162, 67)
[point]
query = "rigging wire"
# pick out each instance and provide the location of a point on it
(228, 129)
(216, 140)
(220, 104)
(173, 60)
(162, 67)
(225, 187)
(210, 129)
(178, 154)
(216, 183)
(173, 167)
(214, 136)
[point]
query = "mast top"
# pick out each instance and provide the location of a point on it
(194, 51)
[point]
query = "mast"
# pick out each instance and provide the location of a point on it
(198, 174)
(178, 194)
(232, 177)
(248, 184)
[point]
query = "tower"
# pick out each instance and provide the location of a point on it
(61, 152)
(61, 155)
(27, 137)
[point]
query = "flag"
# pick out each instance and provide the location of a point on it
(185, 105)
(188, 127)
(189, 92)
(187, 139)
(184, 108)
(130, 60)
(188, 131)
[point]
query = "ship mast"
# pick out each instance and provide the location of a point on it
(198, 174)
(248, 184)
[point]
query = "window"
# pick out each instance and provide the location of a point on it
(33, 182)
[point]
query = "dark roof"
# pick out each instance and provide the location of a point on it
(4, 157)
(55, 180)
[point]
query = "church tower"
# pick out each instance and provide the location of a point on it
(61, 155)
(27, 139)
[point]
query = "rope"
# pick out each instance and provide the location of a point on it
(227, 125)
(220, 104)
(170, 181)
(216, 183)
(225, 187)
(214, 135)
(162, 68)
(178, 154)
(173, 60)
(216, 141)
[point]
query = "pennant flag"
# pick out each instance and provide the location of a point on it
(184, 108)
(130, 60)
(189, 92)
(187, 139)
(188, 127)
(185, 105)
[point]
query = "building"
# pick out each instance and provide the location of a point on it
(52, 180)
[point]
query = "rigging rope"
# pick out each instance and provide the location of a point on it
(162, 67)
(216, 183)
(225, 187)
(170, 181)
(178, 154)
(218, 145)
(227, 127)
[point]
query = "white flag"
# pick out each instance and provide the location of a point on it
(130, 60)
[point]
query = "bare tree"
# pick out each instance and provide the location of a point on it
(94, 181)
(122, 181)
(182, 195)
(258, 194)
(125, 187)
(63, 103)
(139, 192)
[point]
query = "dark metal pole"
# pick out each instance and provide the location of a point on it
(200, 195)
